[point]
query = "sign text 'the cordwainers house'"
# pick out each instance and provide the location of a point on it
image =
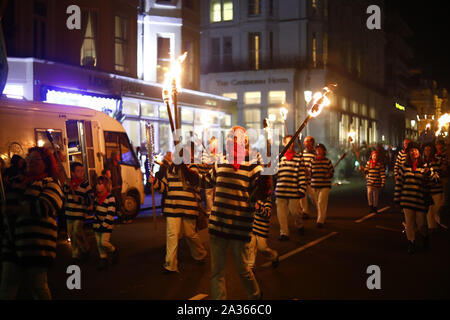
(222, 83)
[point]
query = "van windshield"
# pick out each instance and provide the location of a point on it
(118, 142)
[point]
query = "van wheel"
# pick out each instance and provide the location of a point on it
(131, 204)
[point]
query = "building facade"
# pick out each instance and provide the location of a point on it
(109, 64)
(267, 54)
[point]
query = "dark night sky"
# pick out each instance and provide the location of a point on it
(430, 23)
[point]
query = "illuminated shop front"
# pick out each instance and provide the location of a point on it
(138, 101)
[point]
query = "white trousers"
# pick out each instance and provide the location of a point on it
(78, 241)
(414, 219)
(260, 244)
(239, 252)
(104, 245)
(173, 229)
(433, 217)
(304, 202)
(321, 201)
(285, 207)
(209, 198)
(373, 194)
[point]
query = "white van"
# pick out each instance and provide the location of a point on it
(82, 134)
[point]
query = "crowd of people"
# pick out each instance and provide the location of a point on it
(239, 202)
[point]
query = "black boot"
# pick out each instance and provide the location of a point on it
(411, 247)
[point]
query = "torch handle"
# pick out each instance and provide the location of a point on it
(2, 187)
(169, 112)
(296, 135)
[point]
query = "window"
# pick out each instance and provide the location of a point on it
(254, 45)
(189, 68)
(221, 10)
(132, 127)
(187, 115)
(254, 7)
(39, 29)
(215, 51)
(314, 50)
(372, 113)
(121, 44)
(271, 47)
(277, 97)
(130, 107)
(163, 58)
(227, 51)
(163, 112)
(252, 118)
(42, 138)
(314, 5)
(325, 49)
(149, 110)
(118, 142)
(344, 104)
(355, 107)
(231, 95)
(88, 57)
(252, 97)
(364, 110)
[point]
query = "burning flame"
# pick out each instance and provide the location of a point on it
(172, 78)
(284, 113)
(352, 136)
(443, 121)
(320, 101)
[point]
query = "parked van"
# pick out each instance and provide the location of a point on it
(81, 134)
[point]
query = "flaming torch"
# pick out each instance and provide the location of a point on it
(443, 121)
(320, 101)
(351, 138)
(170, 93)
(284, 112)
(150, 134)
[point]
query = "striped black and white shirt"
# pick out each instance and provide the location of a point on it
(291, 179)
(182, 200)
(320, 169)
(308, 157)
(401, 158)
(31, 218)
(104, 215)
(410, 188)
(435, 183)
(77, 209)
(232, 213)
(261, 224)
(376, 177)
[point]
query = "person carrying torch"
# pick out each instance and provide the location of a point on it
(376, 179)
(234, 180)
(290, 188)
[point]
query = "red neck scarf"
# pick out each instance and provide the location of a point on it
(373, 163)
(102, 196)
(414, 164)
(319, 157)
(75, 183)
(238, 154)
(289, 154)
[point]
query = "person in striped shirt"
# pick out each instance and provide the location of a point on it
(105, 209)
(321, 173)
(436, 187)
(260, 233)
(401, 157)
(29, 241)
(308, 155)
(79, 198)
(290, 188)
(181, 208)
(410, 194)
(376, 179)
(208, 159)
(235, 180)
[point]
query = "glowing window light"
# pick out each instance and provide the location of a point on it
(14, 91)
(81, 100)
